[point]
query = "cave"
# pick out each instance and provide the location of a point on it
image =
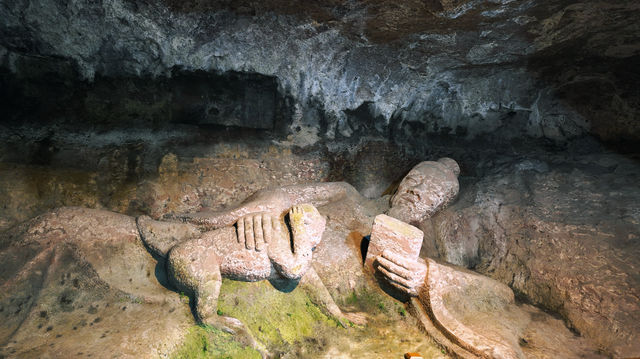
(326, 179)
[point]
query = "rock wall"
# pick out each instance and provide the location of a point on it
(554, 69)
(562, 232)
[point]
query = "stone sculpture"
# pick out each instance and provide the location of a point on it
(427, 188)
(476, 316)
(390, 234)
(252, 242)
(471, 314)
(259, 247)
(270, 202)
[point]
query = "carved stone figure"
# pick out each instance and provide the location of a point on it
(197, 265)
(427, 188)
(476, 316)
(161, 236)
(471, 314)
(393, 235)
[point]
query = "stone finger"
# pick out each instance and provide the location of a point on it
(409, 290)
(393, 278)
(240, 230)
(257, 231)
(248, 233)
(267, 228)
(394, 268)
(396, 258)
(277, 226)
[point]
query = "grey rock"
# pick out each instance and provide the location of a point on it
(445, 75)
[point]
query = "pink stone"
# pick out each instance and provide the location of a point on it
(392, 234)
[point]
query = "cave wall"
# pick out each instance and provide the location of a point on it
(506, 69)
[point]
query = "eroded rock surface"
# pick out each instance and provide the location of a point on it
(562, 232)
(77, 280)
(552, 69)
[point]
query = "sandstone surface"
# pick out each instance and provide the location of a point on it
(78, 281)
(562, 233)
(394, 235)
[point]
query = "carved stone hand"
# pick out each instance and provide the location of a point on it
(407, 275)
(255, 230)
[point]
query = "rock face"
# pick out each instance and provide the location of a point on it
(298, 91)
(563, 233)
(553, 69)
(77, 280)
(481, 319)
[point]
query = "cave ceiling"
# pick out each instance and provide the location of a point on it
(550, 69)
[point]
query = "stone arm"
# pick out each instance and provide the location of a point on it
(406, 274)
(272, 200)
(210, 220)
(320, 194)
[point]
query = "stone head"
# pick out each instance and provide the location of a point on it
(427, 187)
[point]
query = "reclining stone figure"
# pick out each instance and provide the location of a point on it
(470, 314)
(427, 187)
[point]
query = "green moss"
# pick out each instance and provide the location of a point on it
(402, 311)
(275, 318)
(370, 301)
(206, 342)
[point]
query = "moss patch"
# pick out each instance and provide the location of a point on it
(370, 301)
(276, 319)
(206, 342)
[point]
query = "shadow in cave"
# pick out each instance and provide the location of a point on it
(601, 88)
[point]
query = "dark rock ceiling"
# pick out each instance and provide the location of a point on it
(551, 69)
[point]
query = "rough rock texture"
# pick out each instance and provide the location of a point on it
(553, 69)
(79, 273)
(561, 230)
(76, 281)
(480, 315)
(146, 173)
(144, 181)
